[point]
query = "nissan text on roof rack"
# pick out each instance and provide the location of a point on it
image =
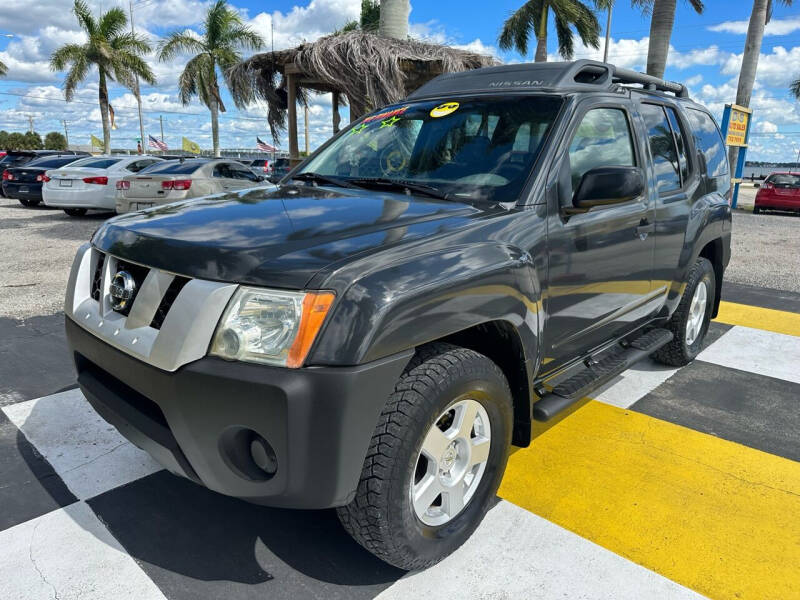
(377, 332)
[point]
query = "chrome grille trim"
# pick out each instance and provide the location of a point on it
(186, 330)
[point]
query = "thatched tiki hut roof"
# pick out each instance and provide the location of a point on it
(367, 70)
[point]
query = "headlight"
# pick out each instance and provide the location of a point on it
(270, 326)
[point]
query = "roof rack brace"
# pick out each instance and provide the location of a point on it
(650, 82)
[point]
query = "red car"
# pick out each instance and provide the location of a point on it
(780, 191)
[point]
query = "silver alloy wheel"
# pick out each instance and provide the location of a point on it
(451, 462)
(697, 312)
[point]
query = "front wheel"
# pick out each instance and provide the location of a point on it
(75, 212)
(435, 460)
(689, 323)
(756, 210)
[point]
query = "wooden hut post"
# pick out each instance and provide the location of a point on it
(337, 119)
(291, 92)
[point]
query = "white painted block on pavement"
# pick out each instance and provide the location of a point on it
(88, 453)
(69, 554)
(634, 384)
(515, 554)
(757, 351)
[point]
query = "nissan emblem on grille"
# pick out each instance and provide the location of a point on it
(123, 289)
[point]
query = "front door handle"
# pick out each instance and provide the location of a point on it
(644, 228)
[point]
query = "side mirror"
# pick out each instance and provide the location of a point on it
(604, 186)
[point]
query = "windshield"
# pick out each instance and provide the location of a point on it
(473, 148)
(784, 180)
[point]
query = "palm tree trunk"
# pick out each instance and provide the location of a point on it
(752, 49)
(214, 108)
(661, 23)
(103, 97)
(541, 36)
(394, 19)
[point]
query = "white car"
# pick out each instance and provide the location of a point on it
(90, 183)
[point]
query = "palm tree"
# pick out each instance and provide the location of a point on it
(759, 17)
(218, 47)
(394, 19)
(661, 21)
(115, 52)
(533, 16)
(795, 88)
(3, 68)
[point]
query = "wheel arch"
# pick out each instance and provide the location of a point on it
(713, 251)
(501, 343)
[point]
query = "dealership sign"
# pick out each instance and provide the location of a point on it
(738, 122)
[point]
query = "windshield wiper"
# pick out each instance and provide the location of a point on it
(408, 186)
(325, 179)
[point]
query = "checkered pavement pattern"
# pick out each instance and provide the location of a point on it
(667, 483)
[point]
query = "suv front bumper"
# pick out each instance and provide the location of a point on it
(318, 420)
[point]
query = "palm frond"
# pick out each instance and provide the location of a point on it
(241, 36)
(85, 18)
(131, 43)
(68, 53)
(795, 88)
(3, 68)
(698, 6)
(179, 42)
(566, 45)
(113, 23)
(219, 19)
(517, 28)
(586, 24)
(76, 74)
(127, 66)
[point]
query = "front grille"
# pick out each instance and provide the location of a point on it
(97, 278)
(139, 273)
(166, 302)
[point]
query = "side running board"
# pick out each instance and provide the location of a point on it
(566, 393)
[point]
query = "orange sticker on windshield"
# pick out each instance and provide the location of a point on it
(444, 109)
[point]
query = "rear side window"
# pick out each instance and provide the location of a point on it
(175, 168)
(708, 140)
(222, 170)
(662, 148)
(603, 139)
(680, 141)
(96, 163)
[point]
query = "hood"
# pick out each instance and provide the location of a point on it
(275, 237)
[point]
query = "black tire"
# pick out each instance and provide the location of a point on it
(678, 353)
(29, 203)
(75, 212)
(756, 210)
(381, 517)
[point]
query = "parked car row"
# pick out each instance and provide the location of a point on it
(79, 183)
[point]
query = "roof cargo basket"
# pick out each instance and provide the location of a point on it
(579, 75)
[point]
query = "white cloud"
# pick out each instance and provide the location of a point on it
(765, 127)
(775, 69)
(774, 27)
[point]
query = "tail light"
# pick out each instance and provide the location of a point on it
(123, 185)
(42, 178)
(266, 166)
(7, 176)
(96, 180)
(178, 184)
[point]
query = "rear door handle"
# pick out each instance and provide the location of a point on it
(644, 228)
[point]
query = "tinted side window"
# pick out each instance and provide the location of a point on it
(662, 148)
(603, 139)
(223, 170)
(240, 173)
(680, 140)
(708, 140)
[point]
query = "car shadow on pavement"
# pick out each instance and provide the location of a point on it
(185, 535)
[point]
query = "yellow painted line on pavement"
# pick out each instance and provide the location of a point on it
(713, 515)
(779, 321)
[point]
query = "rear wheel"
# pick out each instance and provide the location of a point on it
(75, 212)
(435, 460)
(689, 322)
(756, 210)
(29, 203)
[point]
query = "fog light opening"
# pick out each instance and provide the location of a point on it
(248, 454)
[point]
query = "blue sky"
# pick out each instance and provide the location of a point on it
(706, 50)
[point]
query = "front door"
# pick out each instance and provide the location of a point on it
(600, 260)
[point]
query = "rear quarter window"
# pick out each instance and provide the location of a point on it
(708, 140)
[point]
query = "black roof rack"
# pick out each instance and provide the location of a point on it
(579, 75)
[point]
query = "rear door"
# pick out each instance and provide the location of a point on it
(223, 179)
(600, 261)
